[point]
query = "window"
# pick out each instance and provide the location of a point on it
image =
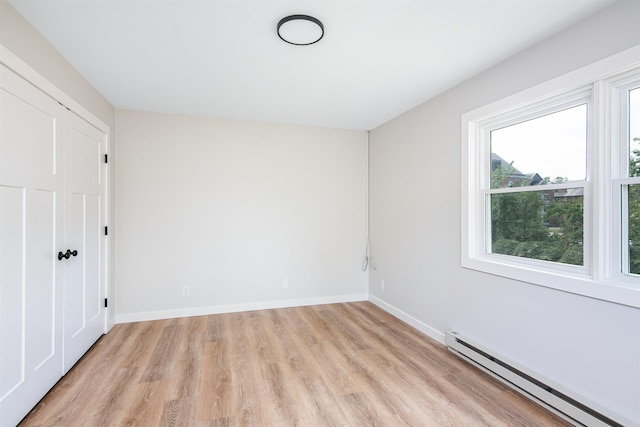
(551, 184)
(627, 183)
(536, 187)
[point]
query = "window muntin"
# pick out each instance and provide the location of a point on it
(633, 131)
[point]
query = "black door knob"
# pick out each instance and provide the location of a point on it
(67, 254)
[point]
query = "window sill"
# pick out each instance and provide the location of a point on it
(576, 282)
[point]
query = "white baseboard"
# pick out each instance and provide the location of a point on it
(234, 308)
(419, 325)
(111, 322)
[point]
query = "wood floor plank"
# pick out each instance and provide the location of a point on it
(188, 369)
(319, 401)
(137, 350)
(178, 412)
(115, 401)
(161, 360)
(360, 410)
(282, 384)
(146, 404)
(216, 393)
(250, 405)
(335, 365)
(387, 404)
(344, 365)
(220, 422)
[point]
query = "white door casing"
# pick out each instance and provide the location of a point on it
(52, 197)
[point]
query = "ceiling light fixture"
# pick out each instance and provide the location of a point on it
(300, 30)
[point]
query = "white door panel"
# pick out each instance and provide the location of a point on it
(28, 137)
(83, 294)
(94, 307)
(12, 289)
(31, 228)
(41, 277)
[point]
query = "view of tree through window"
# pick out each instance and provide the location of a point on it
(633, 191)
(539, 223)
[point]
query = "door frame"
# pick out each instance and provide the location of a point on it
(17, 65)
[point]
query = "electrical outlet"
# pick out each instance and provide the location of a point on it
(186, 291)
(285, 283)
(382, 284)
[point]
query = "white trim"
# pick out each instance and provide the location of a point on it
(596, 279)
(110, 324)
(24, 70)
(429, 331)
(235, 308)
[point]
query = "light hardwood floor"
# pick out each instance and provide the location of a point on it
(329, 365)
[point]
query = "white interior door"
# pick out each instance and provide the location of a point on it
(31, 231)
(84, 312)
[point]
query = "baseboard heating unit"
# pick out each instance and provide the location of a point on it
(575, 409)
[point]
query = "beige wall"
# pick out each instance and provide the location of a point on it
(231, 209)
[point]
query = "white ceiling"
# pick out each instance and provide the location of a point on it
(377, 59)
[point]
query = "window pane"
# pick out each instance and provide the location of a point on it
(633, 223)
(543, 225)
(549, 148)
(634, 132)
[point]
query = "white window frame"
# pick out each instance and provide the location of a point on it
(617, 89)
(601, 85)
(519, 115)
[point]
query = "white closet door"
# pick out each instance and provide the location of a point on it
(84, 312)
(52, 200)
(31, 232)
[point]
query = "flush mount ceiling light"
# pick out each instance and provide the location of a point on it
(301, 30)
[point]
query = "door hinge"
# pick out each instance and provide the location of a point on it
(106, 302)
(106, 158)
(106, 231)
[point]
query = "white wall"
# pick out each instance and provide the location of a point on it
(231, 208)
(589, 346)
(18, 36)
